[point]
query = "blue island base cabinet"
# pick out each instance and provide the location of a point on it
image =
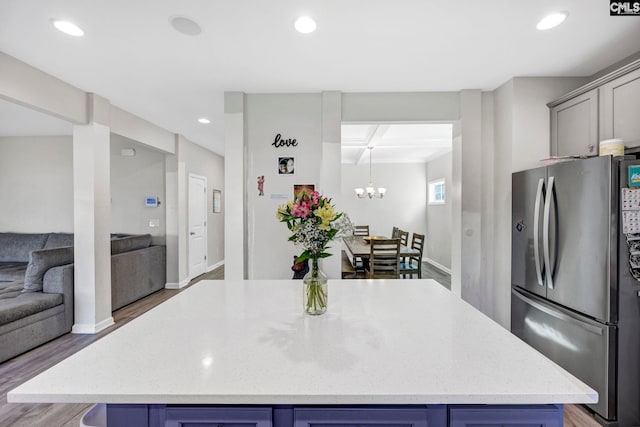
(334, 416)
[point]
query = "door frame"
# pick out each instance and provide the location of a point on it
(206, 225)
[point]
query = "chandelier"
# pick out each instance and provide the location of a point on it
(370, 190)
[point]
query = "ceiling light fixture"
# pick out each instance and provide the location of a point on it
(305, 25)
(185, 26)
(371, 191)
(68, 27)
(204, 120)
(552, 20)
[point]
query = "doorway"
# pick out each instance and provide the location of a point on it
(410, 160)
(197, 225)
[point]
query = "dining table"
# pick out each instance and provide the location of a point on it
(359, 247)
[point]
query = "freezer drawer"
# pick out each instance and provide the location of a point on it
(580, 345)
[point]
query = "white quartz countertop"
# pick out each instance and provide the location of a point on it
(249, 342)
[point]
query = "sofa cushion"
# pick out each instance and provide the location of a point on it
(130, 243)
(25, 305)
(12, 271)
(41, 261)
(15, 247)
(58, 240)
(10, 289)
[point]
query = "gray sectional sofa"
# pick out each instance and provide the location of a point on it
(36, 283)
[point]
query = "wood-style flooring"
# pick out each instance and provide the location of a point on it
(429, 271)
(21, 368)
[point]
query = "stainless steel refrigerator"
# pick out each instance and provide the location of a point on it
(574, 295)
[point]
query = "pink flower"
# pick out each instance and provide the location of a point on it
(300, 210)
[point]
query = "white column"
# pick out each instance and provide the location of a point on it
(235, 235)
(92, 212)
(176, 211)
(456, 200)
(331, 170)
(472, 290)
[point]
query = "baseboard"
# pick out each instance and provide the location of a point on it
(174, 285)
(437, 265)
(87, 328)
(214, 266)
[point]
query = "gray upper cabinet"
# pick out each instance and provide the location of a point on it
(574, 126)
(620, 109)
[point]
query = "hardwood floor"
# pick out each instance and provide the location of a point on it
(430, 271)
(23, 367)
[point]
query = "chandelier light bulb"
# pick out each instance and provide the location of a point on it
(370, 189)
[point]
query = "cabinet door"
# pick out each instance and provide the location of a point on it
(217, 417)
(620, 112)
(369, 417)
(517, 416)
(574, 126)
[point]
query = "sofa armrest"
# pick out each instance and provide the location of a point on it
(59, 280)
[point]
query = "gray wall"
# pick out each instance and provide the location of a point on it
(132, 179)
(439, 217)
(402, 206)
(36, 184)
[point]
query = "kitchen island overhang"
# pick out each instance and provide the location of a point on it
(382, 342)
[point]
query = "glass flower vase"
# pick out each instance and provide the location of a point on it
(315, 295)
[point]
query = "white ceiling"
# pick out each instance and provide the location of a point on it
(133, 57)
(395, 143)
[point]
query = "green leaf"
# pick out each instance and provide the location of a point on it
(303, 256)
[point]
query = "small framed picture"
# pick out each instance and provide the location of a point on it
(298, 188)
(217, 200)
(285, 165)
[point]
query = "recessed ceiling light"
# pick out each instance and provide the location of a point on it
(305, 25)
(185, 26)
(68, 27)
(552, 20)
(204, 120)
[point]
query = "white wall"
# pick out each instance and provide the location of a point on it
(297, 116)
(133, 179)
(36, 184)
(404, 204)
(439, 217)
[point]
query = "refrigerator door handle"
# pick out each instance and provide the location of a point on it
(545, 233)
(559, 314)
(536, 232)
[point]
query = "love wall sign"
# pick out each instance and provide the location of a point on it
(280, 142)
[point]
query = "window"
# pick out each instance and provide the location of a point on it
(436, 192)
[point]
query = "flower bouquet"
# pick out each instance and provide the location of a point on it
(313, 222)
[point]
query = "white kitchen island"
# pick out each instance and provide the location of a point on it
(245, 349)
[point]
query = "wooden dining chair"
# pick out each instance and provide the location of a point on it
(403, 236)
(361, 230)
(394, 232)
(413, 265)
(384, 259)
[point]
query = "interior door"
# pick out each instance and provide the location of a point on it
(527, 267)
(197, 225)
(581, 256)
